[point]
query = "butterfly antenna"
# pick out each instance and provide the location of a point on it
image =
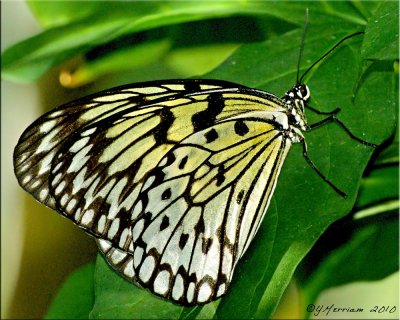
(327, 53)
(302, 45)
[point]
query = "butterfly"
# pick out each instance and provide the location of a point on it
(171, 177)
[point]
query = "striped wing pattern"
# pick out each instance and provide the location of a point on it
(172, 177)
(51, 159)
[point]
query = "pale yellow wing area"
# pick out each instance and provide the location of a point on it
(201, 206)
(39, 143)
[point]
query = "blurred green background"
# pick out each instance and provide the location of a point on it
(76, 56)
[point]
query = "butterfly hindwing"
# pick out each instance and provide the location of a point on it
(201, 206)
(120, 260)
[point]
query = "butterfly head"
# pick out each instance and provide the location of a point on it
(295, 99)
(298, 92)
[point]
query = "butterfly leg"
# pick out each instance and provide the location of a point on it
(333, 118)
(315, 168)
(336, 111)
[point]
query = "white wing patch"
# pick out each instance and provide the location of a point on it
(186, 231)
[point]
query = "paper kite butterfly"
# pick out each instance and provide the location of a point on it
(172, 178)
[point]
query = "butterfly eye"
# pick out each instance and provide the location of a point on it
(301, 92)
(305, 92)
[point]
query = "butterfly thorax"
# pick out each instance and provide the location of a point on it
(295, 100)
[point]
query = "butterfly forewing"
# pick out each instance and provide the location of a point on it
(40, 142)
(71, 157)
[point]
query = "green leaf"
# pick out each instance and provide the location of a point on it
(77, 27)
(76, 297)
(128, 58)
(119, 299)
(390, 155)
(116, 298)
(382, 33)
(342, 255)
(381, 184)
(365, 8)
(55, 13)
(352, 261)
(206, 57)
(173, 46)
(28, 60)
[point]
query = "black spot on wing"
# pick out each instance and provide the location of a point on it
(164, 223)
(183, 162)
(240, 197)
(206, 118)
(167, 119)
(170, 159)
(211, 135)
(166, 194)
(200, 227)
(220, 176)
(183, 240)
(206, 245)
(241, 128)
(147, 218)
(159, 176)
(145, 199)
